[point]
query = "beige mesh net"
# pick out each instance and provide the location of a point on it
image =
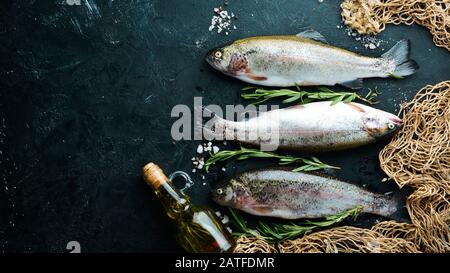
(371, 16)
(418, 157)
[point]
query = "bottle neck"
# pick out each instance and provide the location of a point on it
(173, 201)
(171, 191)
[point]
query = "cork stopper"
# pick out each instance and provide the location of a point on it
(153, 175)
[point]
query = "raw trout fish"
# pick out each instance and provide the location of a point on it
(294, 195)
(312, 127)
(306, 59)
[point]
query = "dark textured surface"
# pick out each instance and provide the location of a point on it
(85, 99)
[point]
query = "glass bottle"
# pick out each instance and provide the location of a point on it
(199, 229)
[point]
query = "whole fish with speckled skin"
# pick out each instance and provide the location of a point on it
(293, 195)
(306, 59)
(312, 127)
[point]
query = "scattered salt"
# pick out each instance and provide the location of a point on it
(369, 42)
(198, 163)
(222, 20)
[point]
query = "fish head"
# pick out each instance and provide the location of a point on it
(232, 193)
(220, 58)
(381, 124)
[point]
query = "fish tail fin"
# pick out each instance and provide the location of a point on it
(399, 53)
(395, 206)
(213, 129)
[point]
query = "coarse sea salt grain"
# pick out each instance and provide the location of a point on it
(200, 149)
(369, 42)
(225, 219)
(222, 21)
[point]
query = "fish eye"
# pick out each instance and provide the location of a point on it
(391, 126)
(219, 191)
(218, 54)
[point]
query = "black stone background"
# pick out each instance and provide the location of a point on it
(85, 99)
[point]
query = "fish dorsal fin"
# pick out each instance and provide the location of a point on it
(313, 35)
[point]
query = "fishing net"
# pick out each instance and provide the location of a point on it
(371, 16)
(417, 157)
(251, 244)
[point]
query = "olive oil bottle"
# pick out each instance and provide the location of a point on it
(199, 229)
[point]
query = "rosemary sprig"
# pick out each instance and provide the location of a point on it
(280, 232)
(325, 94)
(238, 221)
(307, 164)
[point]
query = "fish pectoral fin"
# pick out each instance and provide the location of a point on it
(262, 209)
(354, 84)
(313, 35)
(255, 77)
